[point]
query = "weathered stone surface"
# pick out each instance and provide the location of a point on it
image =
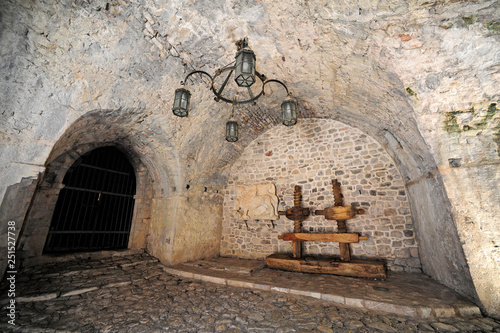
(420, 78)
(78, 291)
(168, 303)
(256, 202)
(36, 298)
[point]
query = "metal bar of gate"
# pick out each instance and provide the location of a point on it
(96, 181)
(99, 218)
(103, 192)
(85, 217)
(73, 216)
(87, 187)
(104, 169)
(77, 222)
(120, 188)
(110, 223)
(124, 218)
(131, 188)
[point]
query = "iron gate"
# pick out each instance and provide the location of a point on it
(94, 209)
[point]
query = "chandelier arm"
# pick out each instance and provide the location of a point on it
(198, 72)
(218, 94)
(250, 93)
(242, 102)
(277, 81)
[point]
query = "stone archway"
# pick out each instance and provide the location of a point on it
(45, 199)
(92, 131)
(323, 150)
(439, 250)
(94, 208)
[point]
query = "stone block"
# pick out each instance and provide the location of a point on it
(469, 311)
(402, 253)
(280, 289)
(305, 293)
(37, 298)
(212, 279)
(354, 302)
(179, 272)
(241, 284)
(333, 298)
(257, 202)
(444, 312)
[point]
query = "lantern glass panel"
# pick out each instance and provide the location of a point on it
(245, 68)
(232, 131)
(181, 102)
(289, 112)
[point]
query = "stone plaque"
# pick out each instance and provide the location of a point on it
(257, 202)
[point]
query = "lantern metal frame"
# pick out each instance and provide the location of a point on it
(242, 46)
(286, 120)
(243, 43)
(232, 125)
(181, 94)
(244, 72)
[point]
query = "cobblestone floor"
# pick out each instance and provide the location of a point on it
(135, 294)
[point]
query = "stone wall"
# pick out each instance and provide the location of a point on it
(13, 211)
(401, 72)
(311, 154)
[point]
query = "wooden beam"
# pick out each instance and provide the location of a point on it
(356, 267)
(297, 249)
(323, 237)
(340, 212)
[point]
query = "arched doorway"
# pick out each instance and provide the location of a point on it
(94, 209)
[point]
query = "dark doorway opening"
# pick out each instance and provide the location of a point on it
(94, 209)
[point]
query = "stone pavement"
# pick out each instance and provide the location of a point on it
(407, 294)
(134, 293)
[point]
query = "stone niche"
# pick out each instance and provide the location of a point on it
(310, 155)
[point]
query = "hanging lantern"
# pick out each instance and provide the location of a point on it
(289, 112)
(181, 102)
(244, 73)
(245, 68)
(232, 131)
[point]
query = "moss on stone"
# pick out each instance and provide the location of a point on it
(483, 123)
(493, 26)
(450, 122)
(469, 19)
(480, 123)
(410, 91)
(446, 25)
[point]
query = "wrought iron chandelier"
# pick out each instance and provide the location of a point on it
(245, 75)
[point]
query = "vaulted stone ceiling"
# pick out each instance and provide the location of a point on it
(421, 77)
(347, 61)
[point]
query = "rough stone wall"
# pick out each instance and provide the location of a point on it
(452, 81)
(397, 70)
(311, 154)
(13, 211)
